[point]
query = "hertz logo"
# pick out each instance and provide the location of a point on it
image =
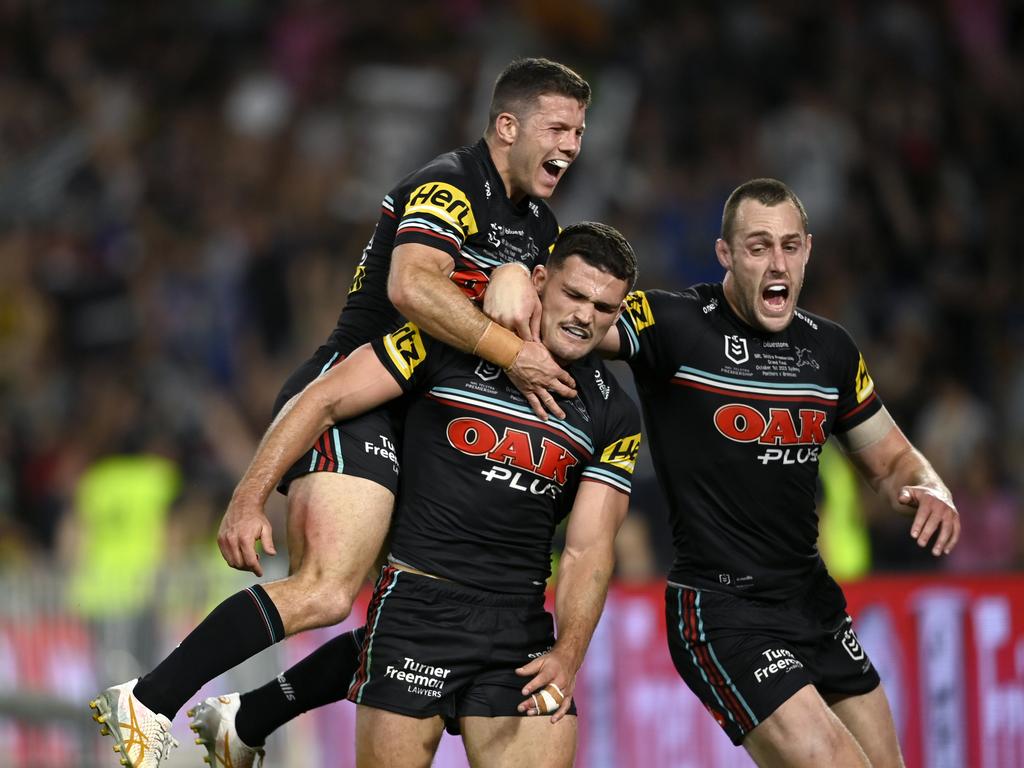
(445, 202)
(405, 348)
(622, 453)
(864, 385)
(357, 279)
(639, 310)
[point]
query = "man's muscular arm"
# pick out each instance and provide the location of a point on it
(584, 571)
(354, 386)
(905, 478)
(419, 287)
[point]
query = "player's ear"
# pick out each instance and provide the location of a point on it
(506, 126)
(810, 241)
(724, 254)
(540, 276)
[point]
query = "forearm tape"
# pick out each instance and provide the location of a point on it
(498, 345)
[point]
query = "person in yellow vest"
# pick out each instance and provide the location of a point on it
(842, 530)
(118, 532)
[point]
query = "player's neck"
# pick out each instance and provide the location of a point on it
(500, 158)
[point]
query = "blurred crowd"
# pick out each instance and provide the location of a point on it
(185, 190)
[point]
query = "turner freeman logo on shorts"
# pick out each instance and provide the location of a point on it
(736, 349)
(445, 202)
(405, 348)
(743, 423)
(423, 679)
(384, 449)
(513, 450)
(776, 660)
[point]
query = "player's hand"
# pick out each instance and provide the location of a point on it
(547, 673)
(935, 513)
(242, 526)
(511, 300)
(541, 379)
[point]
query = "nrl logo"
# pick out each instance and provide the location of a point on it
(486, 371)
(736, 349)
(852, 645)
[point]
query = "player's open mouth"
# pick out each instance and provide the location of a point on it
(775, 297)
(555, 167)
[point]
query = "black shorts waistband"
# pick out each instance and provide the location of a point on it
(443, 589)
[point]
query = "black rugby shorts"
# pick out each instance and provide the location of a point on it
(438, 648)
(744, 657)
(367, 446)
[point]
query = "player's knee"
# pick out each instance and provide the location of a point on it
(334, 607)
(827, 744)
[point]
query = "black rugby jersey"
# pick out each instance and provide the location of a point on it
(737, 419)
(456, 204)
(484, 482)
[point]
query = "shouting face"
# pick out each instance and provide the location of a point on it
(764, 262)
(544, 141)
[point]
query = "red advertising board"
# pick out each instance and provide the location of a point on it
(950, 651)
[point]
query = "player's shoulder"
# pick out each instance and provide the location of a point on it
(820, 329)
(460, 168)
(645, 307)
(598, 386)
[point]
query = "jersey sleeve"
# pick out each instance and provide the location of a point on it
(640, 327)
(410, 356)
(438, 212)
(858, 400)
(614, 461)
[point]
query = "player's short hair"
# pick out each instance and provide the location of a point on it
(525, 80)
(600, 246)
(768, 192)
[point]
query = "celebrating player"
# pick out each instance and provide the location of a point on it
(468, 212)
(740, 389)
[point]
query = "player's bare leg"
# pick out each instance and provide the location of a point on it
(869, 719)
(519, 742)
(336, 527)
(804, 733)
(389, 740)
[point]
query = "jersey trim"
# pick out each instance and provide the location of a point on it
(596, 474)
(795, 392)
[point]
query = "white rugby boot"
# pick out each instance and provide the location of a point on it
(141, 736)
(213, 721)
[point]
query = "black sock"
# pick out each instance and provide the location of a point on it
(240, 627)
(321, 678)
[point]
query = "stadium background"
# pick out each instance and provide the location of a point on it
(185, 189)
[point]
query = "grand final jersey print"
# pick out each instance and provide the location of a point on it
(485, 482)
(737, 419)
(456, 204)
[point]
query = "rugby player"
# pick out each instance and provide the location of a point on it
(441, 232)
(740, 389)
(457, 625)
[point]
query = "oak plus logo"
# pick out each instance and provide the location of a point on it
(515, 454)
(787, 439)
(736, 349)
